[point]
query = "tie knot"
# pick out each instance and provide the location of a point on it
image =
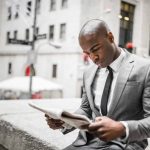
(110, 71)
(109, 68)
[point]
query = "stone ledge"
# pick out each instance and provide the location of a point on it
(23, 128)
(2, 148)
(16, 139)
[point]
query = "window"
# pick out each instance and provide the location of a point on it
(38, 6)
(9, 68)
(52, 5)
(64, 4)
(9, 13)
(51, 32)
(17, 11)
(27, 34)
(62, 31)
(15, 34)
(8, 37)
(126, 23)
(54, 71)
(29, 8)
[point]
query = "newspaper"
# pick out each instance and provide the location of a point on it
(70, 119)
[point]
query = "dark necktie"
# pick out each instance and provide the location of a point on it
(106, 92)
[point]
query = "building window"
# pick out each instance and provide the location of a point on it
(54, 71)
(17, 11)
(52, 5)
(27, 34)
(15, 34)
(29, 8)
(51, 32)
(9, 13)
(9, 68)
(38, 6)
(64, 4)
(62, 31)
(126, 23)
(8, 37)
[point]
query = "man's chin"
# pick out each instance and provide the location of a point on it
(101, 65)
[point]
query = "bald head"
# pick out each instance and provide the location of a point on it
(97, 41)
(94, 26)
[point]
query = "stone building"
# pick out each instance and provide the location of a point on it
(59, 57)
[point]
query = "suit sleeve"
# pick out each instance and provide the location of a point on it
(139, 130)
(85, 108)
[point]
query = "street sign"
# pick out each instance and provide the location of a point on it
(22, 42)
(41, 36)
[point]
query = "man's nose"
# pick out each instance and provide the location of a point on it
(93, 57)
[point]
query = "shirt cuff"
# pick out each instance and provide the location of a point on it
(124, 139)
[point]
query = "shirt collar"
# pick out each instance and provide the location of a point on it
(115, 65)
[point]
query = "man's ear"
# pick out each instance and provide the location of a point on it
(110, 37)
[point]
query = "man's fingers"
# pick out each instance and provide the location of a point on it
(55, 126)
(54, 123)
(48, 119)
(94, 126)
(47, 116)
(49, 122)
(84, 126)
(99, 132)
(98, 119)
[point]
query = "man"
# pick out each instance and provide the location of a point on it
(116, 94)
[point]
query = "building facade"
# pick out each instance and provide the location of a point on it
(58, 55)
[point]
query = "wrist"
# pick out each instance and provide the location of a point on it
(122, 130)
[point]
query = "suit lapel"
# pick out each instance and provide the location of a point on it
(121, 81)
(89, 82)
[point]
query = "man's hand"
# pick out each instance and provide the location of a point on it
(107, 129)
(54, 123)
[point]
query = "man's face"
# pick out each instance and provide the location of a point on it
(98, 48)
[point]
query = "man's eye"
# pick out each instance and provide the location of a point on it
(95, 49)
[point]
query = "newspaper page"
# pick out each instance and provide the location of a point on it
(72, 119)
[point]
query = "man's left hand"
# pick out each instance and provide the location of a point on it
(107, 129)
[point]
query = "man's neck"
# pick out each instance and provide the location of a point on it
(118, 52)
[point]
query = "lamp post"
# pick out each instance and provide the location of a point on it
(32, 48)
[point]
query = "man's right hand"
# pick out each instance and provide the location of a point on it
(54, 123)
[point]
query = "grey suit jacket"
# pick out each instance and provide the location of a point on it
(131, 101)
